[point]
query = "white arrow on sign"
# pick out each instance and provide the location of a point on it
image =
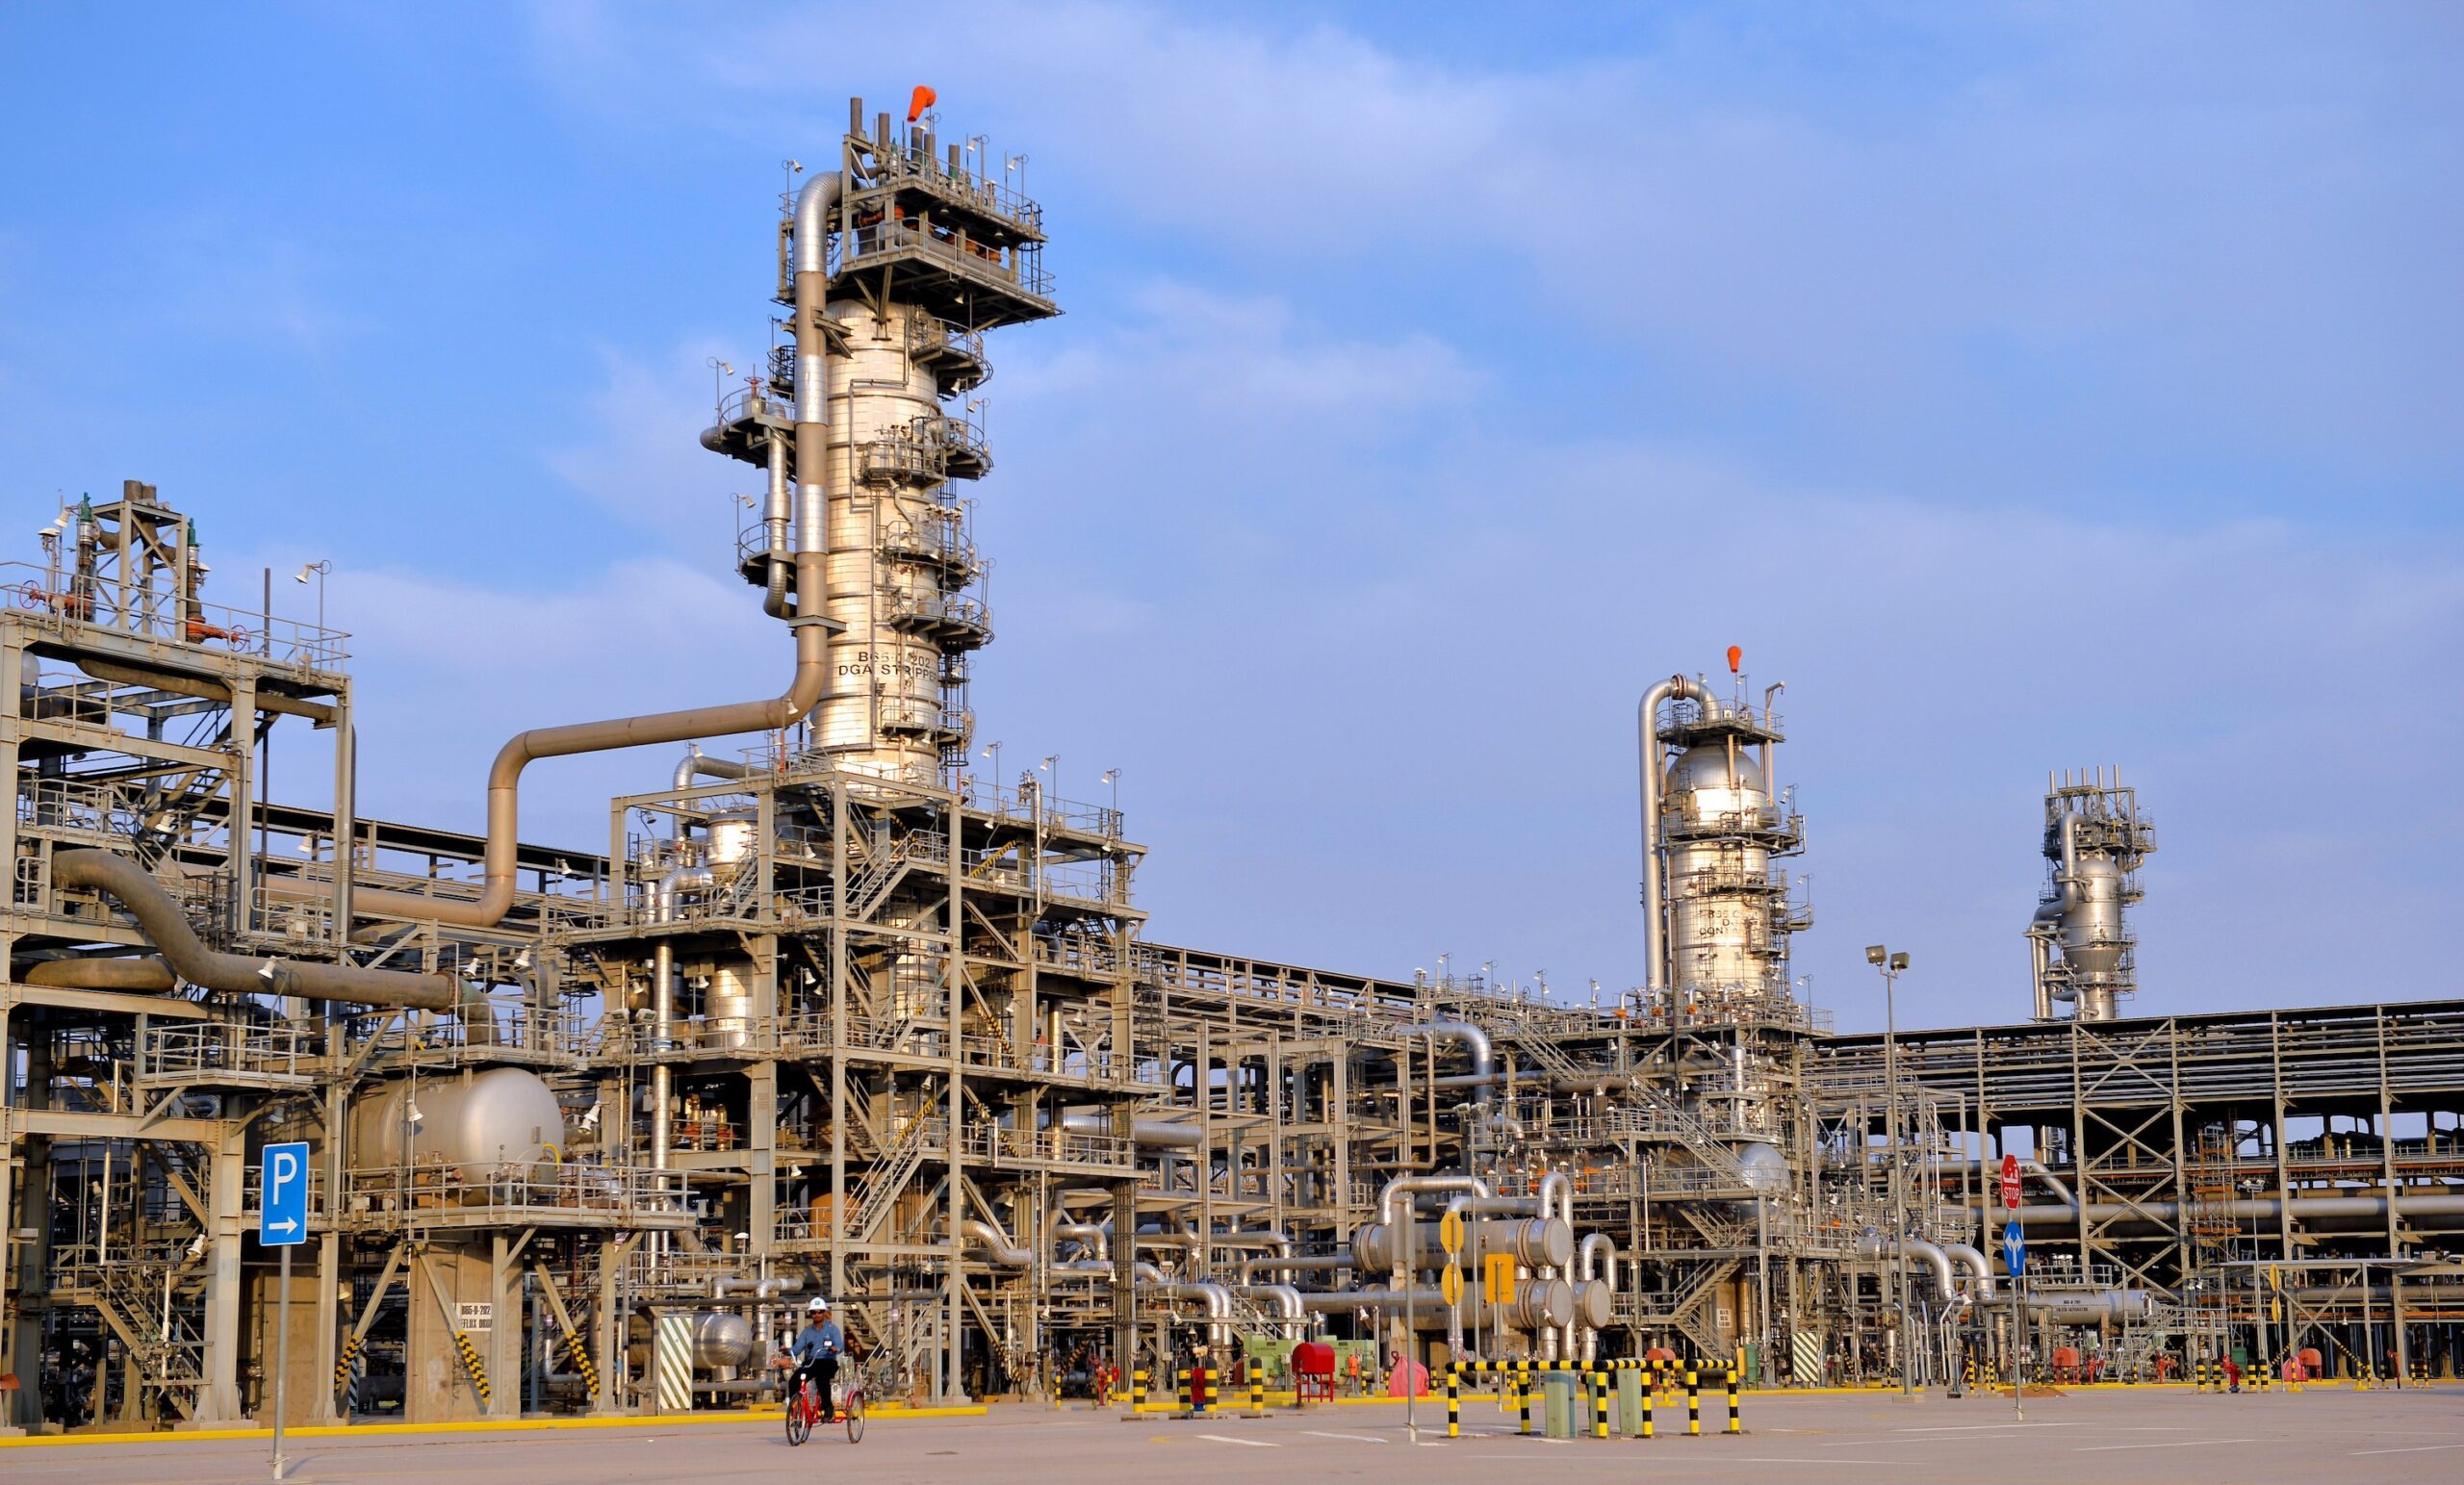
(285, 1225)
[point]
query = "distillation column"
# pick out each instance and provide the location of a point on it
(2080, 949)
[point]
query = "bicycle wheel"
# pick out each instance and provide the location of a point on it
(855, 1415)
(799, 1422)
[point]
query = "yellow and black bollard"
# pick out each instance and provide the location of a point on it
(1693, 1403)
(1138, 1392)
(1189, 1395)
(1599, 1409)
(1734, 1425)
(1647, 1430)
(1523, 1397)
(1257, 1390)
(1453, 1402)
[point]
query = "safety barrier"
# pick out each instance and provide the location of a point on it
(1636, 1405)
(1198, 1391)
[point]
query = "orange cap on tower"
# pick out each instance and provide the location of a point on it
(1735, 656)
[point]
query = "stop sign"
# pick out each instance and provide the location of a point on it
(2011, 1182)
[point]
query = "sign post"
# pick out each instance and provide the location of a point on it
(2014, 1261)
(282, 1223)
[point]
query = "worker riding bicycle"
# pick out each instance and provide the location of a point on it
(815, 1355)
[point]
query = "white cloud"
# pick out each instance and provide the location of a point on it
(450, 670)
(642, 457)
(2071, 231)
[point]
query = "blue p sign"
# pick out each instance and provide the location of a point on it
(284, 1221)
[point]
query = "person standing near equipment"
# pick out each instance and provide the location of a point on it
(816, 1354)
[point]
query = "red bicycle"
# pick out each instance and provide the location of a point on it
(804, 1409)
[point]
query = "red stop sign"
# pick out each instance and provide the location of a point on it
(2011, 1182)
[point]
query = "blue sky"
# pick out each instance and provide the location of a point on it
(2028, 386)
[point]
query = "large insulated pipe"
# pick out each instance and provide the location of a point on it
(2405, 1205)
(1323, 1262)
(1152, 1132)
(812, 381)
(1485, 1060)
(1647, 744)
(1530, 1241)
(1980, 1276)
(504, 776)
(1914, 1250)
(1593, 1303)
(146, 976)
(996, 1243)
(1094, 1237)
(775, 510)
(1215, 1297)
(159, 917)
(2030, 1167)
(1287, 1300)
(812, 657)
(697, 764)
(663, 895)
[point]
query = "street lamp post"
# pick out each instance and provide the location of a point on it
(1892, 964)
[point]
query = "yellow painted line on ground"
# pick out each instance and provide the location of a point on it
(476, 1425)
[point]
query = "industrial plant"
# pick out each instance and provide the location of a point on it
(836, 1010)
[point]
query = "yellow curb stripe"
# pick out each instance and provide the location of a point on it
(479, 1425)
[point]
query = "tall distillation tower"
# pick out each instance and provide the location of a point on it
(893, 265)
(2080, 949)
(1718, 910)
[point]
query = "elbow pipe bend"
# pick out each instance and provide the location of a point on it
(504, 776)
(996, 1243)
(1596, 1245)
(1647, 747)
(1484, 1058)
(159, 917)
(1914, 1250)
(699, 764)
(1558, 1181)
(1972, 1258)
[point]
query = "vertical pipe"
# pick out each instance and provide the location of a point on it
(1647, 747)
(663, 1030)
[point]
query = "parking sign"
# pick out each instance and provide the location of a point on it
(284, 1193)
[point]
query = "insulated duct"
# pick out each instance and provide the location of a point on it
(504, 776)
(1914, 1250)
(1485, 1060)
(1647, 743)
(159, 918)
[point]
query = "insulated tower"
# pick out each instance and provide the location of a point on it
(2080, 949)
(893, 267)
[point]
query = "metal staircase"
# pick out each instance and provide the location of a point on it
(878, 1193)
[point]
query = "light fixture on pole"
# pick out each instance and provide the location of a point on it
(320, 569)
(1112, 776)
(720, 372)
(1892, 964)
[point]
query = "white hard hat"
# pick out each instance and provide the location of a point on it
(817, 1306)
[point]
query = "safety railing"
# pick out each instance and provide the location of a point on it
(753, 402)
(518, 1189)
(206, 1052)
(1021, 264)
(63, 597)
(481, 1031)
(912, 167)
